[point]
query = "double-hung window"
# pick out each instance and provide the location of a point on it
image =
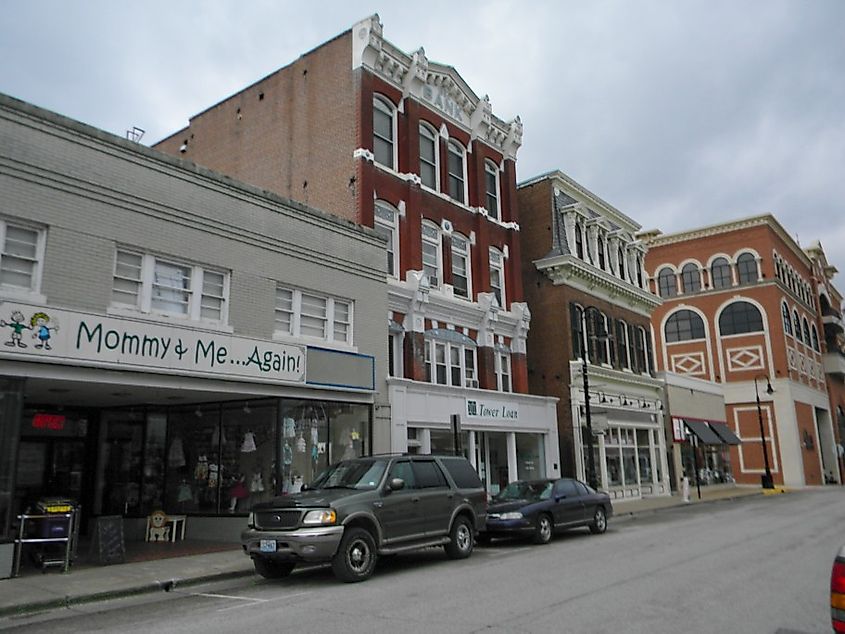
(387, 226)
(450, 363)
(461, 269)
(431, 253)
(384, 128)
(491, 189)
(457, 172)
(429, 152)
(21, 258)
(301, 313)
(497, 276)
(167, 286)
(503, 370)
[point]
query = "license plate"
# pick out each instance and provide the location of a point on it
(268, 546)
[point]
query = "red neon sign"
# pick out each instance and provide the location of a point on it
(52, 422)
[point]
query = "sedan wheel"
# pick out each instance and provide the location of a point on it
(599, 524)
(542, 529)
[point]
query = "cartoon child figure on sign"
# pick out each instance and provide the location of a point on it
(18, 325)
(39, 323)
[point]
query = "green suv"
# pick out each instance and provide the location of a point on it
(362, 508)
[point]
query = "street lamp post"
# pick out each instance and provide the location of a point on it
(600, 335)
(767, 477)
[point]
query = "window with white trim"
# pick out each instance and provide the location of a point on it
(387, 226)
(166, 286)
(491, 189)
(456, 165)
(384, 132)
(497, 276)
(312, 315)
(429, 155)
(461, 268)
(432, 253)
(450, 363)
(503, 371)
(22, 257)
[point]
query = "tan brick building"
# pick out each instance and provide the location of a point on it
(583, 275)
(741, 308)
(400, 143)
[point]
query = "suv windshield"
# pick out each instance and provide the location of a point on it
(531, 491)
(351, 474)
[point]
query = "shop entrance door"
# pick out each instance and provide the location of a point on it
(50, 468)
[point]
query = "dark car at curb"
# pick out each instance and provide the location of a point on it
(360, 509)
(537, 508)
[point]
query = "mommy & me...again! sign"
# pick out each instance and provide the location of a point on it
(44, 334)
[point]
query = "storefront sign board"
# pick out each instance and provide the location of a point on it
(477, 408)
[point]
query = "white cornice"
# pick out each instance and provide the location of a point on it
(571, 271)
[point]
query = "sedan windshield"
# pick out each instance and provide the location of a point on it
(351, 474)
(531, 491)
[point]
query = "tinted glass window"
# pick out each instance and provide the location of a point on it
(351, 474)
(428, 474)
(529, 491)
(402, 469)
(684, 325)
(566, 488)
(462, 473)
(740, 317)
(582, 490)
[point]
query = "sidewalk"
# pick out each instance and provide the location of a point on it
(33, 591)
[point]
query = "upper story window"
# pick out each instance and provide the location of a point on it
(620, 267)
(457, 172)
(22, 257)
(576, 326)
(601, 254)
(740, 317)
(622, 344)
(746, 267)
(640, 350)
(308, 314)
(640, 281)
(503, 371)
(796, 325)
(787, 322)
(691, 278)
(491, 189)
(684, 325)
(461, 268)
(432, 259)
(450, 363)
(806, 331)
(667, 283)
(579, 241)
(815, 334)
(720, 273)
(497, 276)
(429, 155)
(384, 132)
(387, 226)
(165, 286)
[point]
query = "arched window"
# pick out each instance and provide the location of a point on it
(746, 267)
(815, 334)
(787, 322)
(690, 278)
(740, 317)
(684, 325)
(429, 155)
(491, 189)
(461, 269)
(384, 132)
(796, 324)
(387, 226)
(667, 283)
(806, 330)
(431, 254)
(457, 171)
(720, 273)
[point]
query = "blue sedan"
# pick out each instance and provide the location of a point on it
(536, 508)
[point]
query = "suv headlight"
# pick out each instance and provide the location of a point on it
(513, 515)
(320, 518)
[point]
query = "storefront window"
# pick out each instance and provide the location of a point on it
(613, 456)
(11, 391)
(497, 443)
(152, 489)
(443, 442)
(193, 461)
(644, 455)
(121, 463)
(247, 455)
(530, 457)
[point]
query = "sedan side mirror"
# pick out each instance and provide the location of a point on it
(395, 484)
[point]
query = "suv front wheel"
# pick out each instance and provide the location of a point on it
(356, 556)
(460, 539)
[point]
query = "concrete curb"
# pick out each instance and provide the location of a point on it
(633, 514)
(144, 588)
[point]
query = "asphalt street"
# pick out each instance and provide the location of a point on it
(755, 565)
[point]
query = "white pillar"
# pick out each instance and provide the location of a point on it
(512, 466)
(471, 449)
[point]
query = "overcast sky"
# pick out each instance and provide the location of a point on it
(678, 113)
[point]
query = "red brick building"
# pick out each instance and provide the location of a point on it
(741, 308)
(583, 274)
(402, 144)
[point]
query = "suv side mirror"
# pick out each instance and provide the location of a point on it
(305, 487)
(395, 484)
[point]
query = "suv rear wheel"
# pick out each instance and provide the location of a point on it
(356, 556)
(272, 569)
(460, 539)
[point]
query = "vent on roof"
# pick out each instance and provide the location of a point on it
(135, 134)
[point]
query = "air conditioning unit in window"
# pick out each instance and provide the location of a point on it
(472, 382)
(433, 281)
